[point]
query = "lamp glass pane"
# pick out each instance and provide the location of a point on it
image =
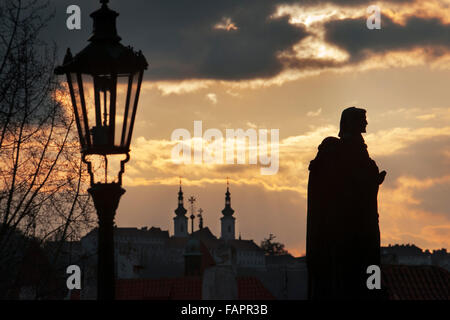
(104, 106)
(79, 109)
(102, 96)
(133, 106)
(122, 110)
(89, 98)
(112, 95)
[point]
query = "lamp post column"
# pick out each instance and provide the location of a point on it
(106, 198)
(100, 68)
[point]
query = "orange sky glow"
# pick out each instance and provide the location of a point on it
(404, 90)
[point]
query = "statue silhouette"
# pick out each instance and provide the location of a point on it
(343, 236)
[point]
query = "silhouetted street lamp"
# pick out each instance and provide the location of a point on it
(104, 81)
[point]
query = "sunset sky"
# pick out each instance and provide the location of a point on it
(292, 66)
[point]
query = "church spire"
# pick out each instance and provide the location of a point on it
(180, 221)
(180, 210)
(180, 195)
(228, 211)
(228, 221)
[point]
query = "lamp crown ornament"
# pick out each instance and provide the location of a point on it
(104, 24)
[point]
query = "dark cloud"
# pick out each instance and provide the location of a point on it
(436, 199)
(429, 162)
(180, 41)
(353, 36)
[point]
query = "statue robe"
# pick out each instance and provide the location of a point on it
(343, 236)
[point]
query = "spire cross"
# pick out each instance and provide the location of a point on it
(192, 200)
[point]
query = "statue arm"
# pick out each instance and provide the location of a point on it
(381, 177)
(371, 175)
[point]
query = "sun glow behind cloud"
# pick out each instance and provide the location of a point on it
(226, 24)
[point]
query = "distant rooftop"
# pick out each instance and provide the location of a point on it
(416, 282)
(144, 231)
(153, 232)
(408, 250)
(184, 288)
(204, 234)
(285, 259)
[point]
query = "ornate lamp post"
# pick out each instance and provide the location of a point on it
(104, 81)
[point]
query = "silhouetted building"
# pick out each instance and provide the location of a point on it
(412, 255)
(153, 253)
(193, 258)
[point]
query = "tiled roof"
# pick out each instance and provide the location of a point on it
(245, 245)
(250, 288)
(204, 233)
(186, 288)
(416, 282)
(159, 289)
(206, 236)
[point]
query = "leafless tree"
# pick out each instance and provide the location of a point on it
(42, 183)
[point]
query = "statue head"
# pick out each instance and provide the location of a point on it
(353, 122)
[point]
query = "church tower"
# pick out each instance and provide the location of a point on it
(227, 220)
(180, 221)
